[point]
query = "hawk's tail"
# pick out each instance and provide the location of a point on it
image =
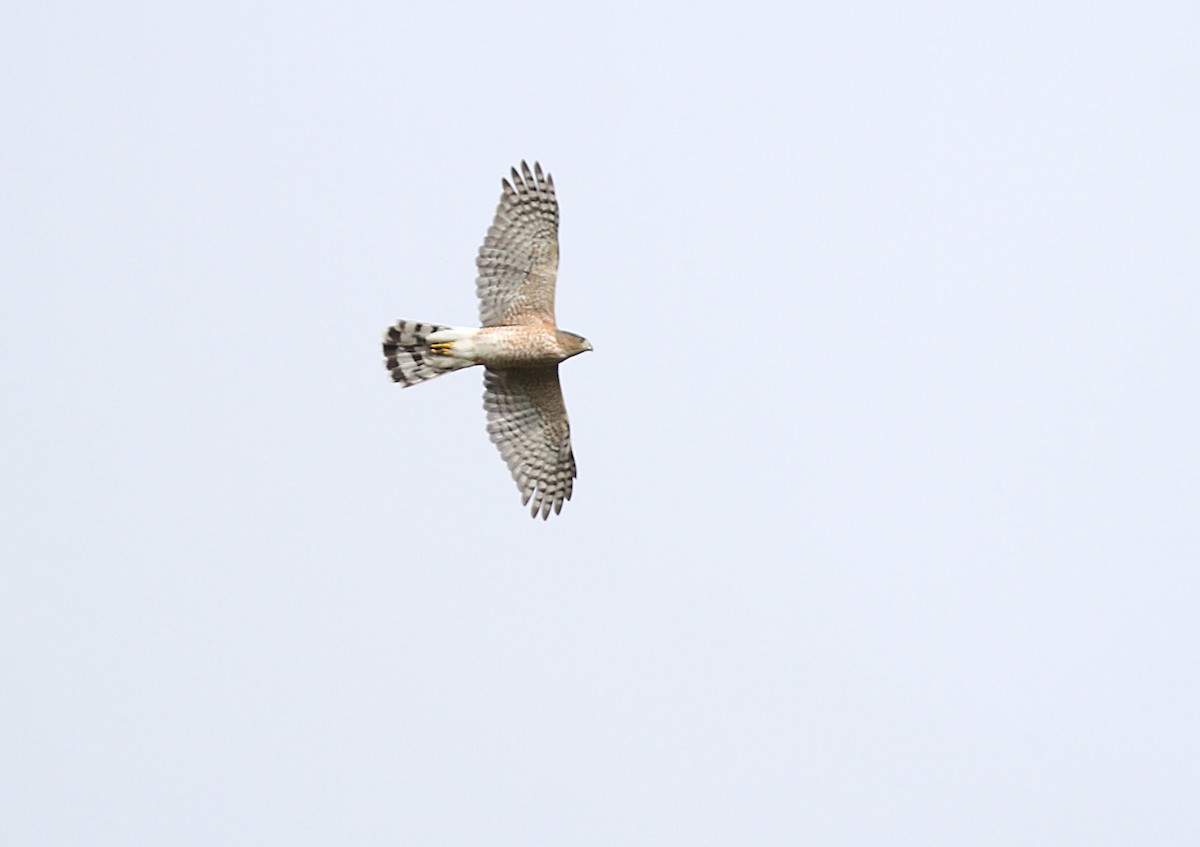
(415, 352)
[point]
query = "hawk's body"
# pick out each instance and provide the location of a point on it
(519, 343)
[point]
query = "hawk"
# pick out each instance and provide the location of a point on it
(519, 345)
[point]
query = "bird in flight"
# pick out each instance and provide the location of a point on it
(519, 345)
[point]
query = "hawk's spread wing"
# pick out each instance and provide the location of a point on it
(519, 257)
(528, 422)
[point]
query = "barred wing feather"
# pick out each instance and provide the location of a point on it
(518, 261)
(527, 421)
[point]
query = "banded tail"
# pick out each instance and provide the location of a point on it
(415, 352)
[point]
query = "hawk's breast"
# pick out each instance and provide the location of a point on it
(518, 346)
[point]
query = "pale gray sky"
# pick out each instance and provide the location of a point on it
(886, 530)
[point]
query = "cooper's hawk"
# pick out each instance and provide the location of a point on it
(519, 344)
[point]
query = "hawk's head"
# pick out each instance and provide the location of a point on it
(573, 344)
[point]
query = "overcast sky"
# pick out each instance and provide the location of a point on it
(887, 525)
